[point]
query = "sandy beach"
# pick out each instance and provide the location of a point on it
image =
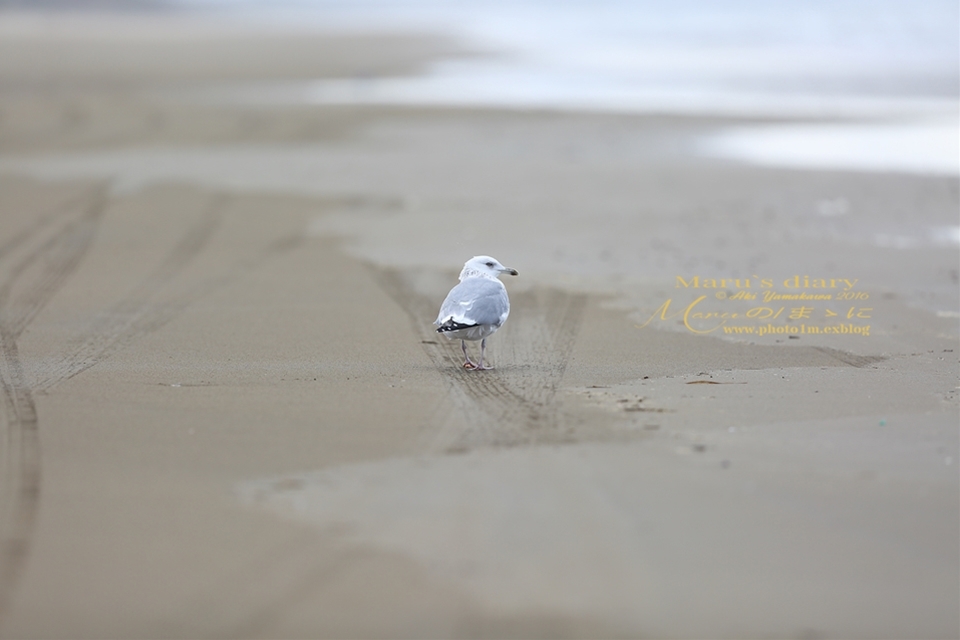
(725, 403)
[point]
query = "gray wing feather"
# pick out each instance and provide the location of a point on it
(476, 301)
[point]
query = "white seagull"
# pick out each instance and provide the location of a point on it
(476, 307)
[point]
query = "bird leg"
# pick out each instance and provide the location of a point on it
(480, 367)
(468, 363)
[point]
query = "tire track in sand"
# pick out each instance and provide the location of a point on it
(139, 312)
(515, 403)
(146, 309)
(25, 288)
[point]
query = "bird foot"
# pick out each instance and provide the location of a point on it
(473, 366)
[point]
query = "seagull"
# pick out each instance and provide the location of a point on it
(476, 307)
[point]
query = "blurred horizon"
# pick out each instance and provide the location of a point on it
(883, 61)
(882, 48)
(87, 5)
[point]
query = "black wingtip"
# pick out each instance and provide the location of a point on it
(450, 325)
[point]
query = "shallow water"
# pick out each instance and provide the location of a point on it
(743, 58)
(925, 147)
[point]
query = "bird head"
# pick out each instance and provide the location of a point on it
(484, 266)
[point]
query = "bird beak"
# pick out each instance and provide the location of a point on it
(512, 272)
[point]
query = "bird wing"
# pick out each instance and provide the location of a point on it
(476, 301)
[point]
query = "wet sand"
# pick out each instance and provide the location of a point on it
(227, 414)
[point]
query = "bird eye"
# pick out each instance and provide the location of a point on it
(489, 264)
